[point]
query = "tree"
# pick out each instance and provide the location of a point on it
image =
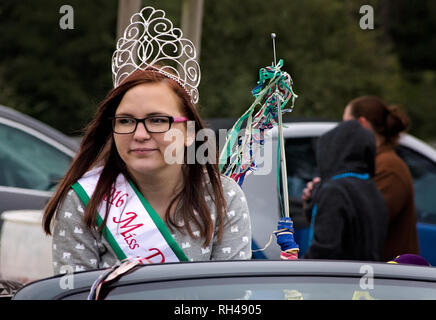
(56, 75)
(410, 26)
(329, 57)
(59, 76)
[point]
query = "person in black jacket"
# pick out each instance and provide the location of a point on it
(349, 215)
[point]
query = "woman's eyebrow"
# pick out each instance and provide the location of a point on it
(122, 114)
(157, 114)
(128, 114)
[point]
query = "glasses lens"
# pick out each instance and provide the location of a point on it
(158, 124)
(124, 125)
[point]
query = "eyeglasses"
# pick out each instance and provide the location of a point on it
(153, 124)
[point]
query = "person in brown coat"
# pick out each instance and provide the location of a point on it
(392, 176)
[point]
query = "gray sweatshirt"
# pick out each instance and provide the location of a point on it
(77, 247)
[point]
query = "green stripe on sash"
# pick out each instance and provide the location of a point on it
(151, 212)
(160, 225)
(106, 233)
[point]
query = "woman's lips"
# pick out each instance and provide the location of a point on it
(142, 151)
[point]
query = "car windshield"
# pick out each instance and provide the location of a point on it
(274, 288)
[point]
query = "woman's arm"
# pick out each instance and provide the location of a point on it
(236, 240)
(75, 248)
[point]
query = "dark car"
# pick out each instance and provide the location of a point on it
(33, 157)
(247, 280)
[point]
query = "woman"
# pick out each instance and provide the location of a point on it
(146, 205)
(392, 176)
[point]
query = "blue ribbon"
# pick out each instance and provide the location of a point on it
(361, 176)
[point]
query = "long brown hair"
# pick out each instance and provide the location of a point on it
(386, 120)
(98, 147)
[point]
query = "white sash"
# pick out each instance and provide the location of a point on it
(133, 228)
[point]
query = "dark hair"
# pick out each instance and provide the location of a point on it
(98, 147)
(387, 121)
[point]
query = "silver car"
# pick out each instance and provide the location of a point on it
(300, 145)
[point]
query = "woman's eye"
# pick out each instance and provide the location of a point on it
(158, 120)
(126, 121)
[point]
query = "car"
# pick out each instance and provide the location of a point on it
(300, 145)
(33, 157)
(246, 280)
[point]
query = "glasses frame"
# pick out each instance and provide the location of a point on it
(170, 118)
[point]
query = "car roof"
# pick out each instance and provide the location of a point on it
(317, 128)
(313, 127)
(50, 289)
(23, 119)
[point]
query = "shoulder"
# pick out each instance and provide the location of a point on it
(228, 182)
(338, 192)
(389, 160)
(71, 207)
(389, 164)
(332, 186)
(234, 196)
(231, 187)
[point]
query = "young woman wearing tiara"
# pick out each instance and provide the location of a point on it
(122, 198)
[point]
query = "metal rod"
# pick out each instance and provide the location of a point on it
(282, 147)
(273, 37)
(283, 166)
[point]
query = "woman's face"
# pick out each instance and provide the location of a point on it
(362, 120)
(142, 151)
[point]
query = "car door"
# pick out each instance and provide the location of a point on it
(301, 168)
(31, 164)
(423, 171)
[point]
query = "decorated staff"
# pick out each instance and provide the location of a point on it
(239, 155)
(273, 92)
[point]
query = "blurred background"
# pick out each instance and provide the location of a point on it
(59, 76)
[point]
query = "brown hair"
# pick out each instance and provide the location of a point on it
(98, 146)
(387, 121)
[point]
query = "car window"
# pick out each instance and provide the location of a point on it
(301, 168)
(272, 288)
(423, 171)
(300, 163)
(28, 162)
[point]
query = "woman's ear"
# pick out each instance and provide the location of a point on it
(364, 123)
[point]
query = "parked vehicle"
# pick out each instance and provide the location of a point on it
(300, 145)
(33, 157)
(247, 280)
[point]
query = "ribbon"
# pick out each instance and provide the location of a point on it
(272, 93)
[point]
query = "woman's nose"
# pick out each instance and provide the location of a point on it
(141, 132)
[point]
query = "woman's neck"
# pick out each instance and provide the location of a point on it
(159, 189)
(379, 140)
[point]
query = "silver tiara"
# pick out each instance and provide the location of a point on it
(151, 41)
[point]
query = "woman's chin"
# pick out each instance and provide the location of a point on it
(145, 167)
